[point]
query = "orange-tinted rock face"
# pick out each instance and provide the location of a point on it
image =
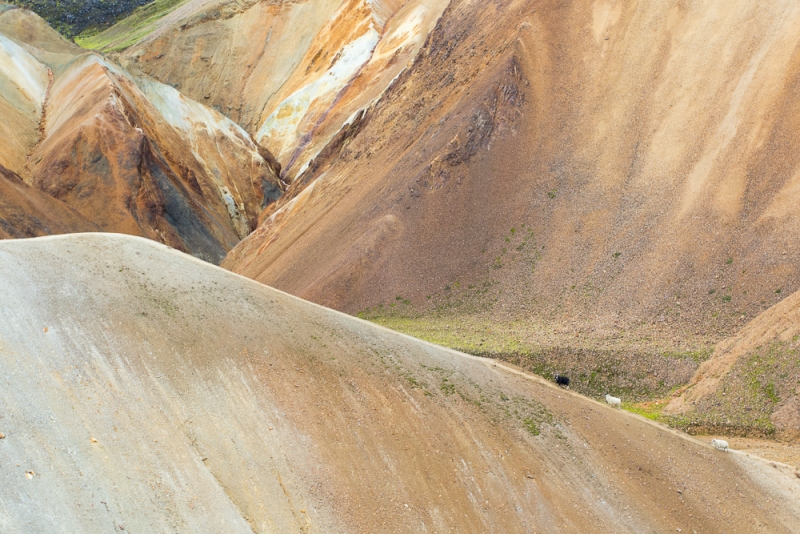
(131, 155)
(596, 164)
(27, 212)
(291, 73)
(165, 168)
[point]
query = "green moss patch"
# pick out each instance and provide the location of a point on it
(129, 31)
(71, 17)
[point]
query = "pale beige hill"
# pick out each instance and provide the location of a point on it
(596, 167)
(752, 383)
(146, 390)
(291, 73)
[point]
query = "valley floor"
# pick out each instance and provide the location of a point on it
(646, 368)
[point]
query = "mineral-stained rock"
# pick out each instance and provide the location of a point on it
(28, 212)
(291, 73)
(127, 153)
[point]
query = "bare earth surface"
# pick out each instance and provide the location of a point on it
(145, 389)
(593, 170)
(786, 453)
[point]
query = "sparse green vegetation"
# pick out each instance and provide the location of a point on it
(447, 388)
(650, 410)
(531, 427)
(71, 17)
(646, 374)
(130, 30)
(749, 393)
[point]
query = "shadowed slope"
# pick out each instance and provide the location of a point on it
(27, 212)
(148, 390)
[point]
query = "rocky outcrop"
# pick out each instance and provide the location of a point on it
(128, 153)
(291, 73)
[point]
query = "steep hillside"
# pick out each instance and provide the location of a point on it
(291, 73)
(71, 17)
(589, 170)
(23, 84)
(143, 21)
(147, 391)
(27, 212)
(752, 384)
(129, 154)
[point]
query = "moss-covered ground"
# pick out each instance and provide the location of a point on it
(71, 17)
(129, 31)
(637, 370)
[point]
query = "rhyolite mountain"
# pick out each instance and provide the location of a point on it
(606, 189)
(127, 153)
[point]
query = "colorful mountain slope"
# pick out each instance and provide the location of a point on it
(291, 73)
(129, 154)
(593, 167)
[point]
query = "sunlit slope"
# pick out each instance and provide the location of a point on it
(593, 166)
(23, 85)
(291, 73)
(145, 389)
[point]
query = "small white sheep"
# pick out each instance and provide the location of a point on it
(720, 444)
(613, 401)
